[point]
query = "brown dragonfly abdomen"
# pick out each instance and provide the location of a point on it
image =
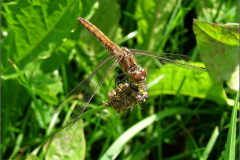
(102, 38)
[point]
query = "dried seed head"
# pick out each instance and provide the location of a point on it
(124, 97)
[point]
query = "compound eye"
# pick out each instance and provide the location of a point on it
(136, 76)
(144, 72)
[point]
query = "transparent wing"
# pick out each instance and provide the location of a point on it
(155, 59)
(86, 89)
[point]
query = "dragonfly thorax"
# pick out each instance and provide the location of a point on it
(130, 67)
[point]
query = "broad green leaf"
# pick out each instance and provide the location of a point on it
(59, 57)
(36, 29)
(233, 82)
(47, 95)
(46, 86)
(67, 145)
(219, 48)
(190, 83)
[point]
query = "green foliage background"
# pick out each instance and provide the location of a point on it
(186, 117)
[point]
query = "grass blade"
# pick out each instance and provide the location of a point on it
(118, 145)
(231, 140)
(210, 144)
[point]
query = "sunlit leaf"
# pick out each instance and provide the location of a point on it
(37, 28)
(47, 87)
(67, 145)
(233, 83)
(219, 48)
(195, 83)
(59, 57)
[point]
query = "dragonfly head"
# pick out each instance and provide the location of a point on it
(139, 75)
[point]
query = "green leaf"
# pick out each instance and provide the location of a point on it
(233, 82)
(186, 82)
(37, 28)
(67, 145)
(47, 95)
(25, 83)
(219, 48)
(12, 95)
(152, 17)
(59, 57)
(47, 87)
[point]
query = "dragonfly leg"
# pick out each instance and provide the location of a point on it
(120, 81)
(124, 114)
(138, 106)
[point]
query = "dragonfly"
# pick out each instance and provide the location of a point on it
(127, 59)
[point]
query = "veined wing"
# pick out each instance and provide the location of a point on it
(155, 59)
(87, 88)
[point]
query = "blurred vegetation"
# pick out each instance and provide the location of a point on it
(187, 115)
